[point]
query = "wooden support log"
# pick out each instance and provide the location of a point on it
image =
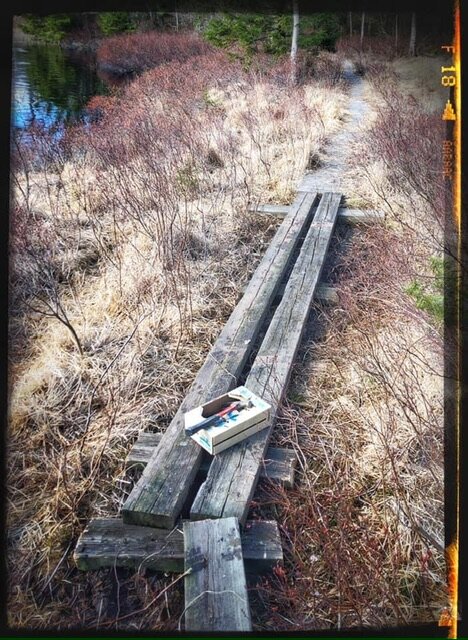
(278, 466)
(323, 293)
(351, 216)
(279, 210)
(216, 596)
(326, 295)
(108, 542)
(159, 496)
(234, 473)
(358, 216)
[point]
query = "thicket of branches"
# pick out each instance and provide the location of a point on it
(130, 243)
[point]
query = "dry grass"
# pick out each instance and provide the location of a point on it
(131, 251)
(420, 77)
(130, 244)
(364, 529)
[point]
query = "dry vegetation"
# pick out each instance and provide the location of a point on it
(127, 53)
(130, 242)
(364, 529)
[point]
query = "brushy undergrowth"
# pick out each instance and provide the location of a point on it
(130, 243)
(136, 52)
(363, 531)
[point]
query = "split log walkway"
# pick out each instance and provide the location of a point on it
(232, 477)
(159, 496)
(218, 539)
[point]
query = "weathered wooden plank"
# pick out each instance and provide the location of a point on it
(216, 596)
(323, 293)
(142, 449)
(233, 474)
(326, 294)
(358, 216)
(345, 214)
(159, 495)
(271, 209)
(278, 466)
(109, 542)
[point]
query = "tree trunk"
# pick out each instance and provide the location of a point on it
(363, 23)
(350, 14)
(176, 17)
(396, 34)
(294, 42)
(412, 41)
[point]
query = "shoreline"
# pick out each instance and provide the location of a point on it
(20, 38)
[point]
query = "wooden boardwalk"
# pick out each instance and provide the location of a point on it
(159, 496)
(218, 547)
(109, 542)
(215, 587)
(232, 477)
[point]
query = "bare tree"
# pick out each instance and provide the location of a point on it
(363, 22)
(295, 41)
(350, 15)
(412, 41)
(176, 16)
(396, 34)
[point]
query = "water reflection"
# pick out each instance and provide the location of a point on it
(51, 85)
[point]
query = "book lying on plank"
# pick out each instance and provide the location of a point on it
(226, 420)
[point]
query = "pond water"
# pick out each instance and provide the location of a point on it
(51, 85)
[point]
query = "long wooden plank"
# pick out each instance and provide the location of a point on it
(159, 495)
(216, 596)
(234, 473)
(278, 466)
(109, 542)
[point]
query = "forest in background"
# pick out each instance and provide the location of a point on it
(252, 32)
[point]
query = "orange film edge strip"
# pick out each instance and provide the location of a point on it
(453, 565)
(452, 551)
(449, 616)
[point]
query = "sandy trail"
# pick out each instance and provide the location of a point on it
(334, 161)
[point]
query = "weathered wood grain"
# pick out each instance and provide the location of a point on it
(142, 449)
(326, 294)
(360, 216)
(323, 293)
(271, 209)
(345, 214)
(159, 496)
(278, 466)
(234, 473)
(109, 542)
(216, 596)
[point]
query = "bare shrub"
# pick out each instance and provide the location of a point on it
(138, 221)
(400, 163)
(363, 530)
(381, 46)
(127, 53)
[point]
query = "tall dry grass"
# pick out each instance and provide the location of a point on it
(130, 243)
(363, 531)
